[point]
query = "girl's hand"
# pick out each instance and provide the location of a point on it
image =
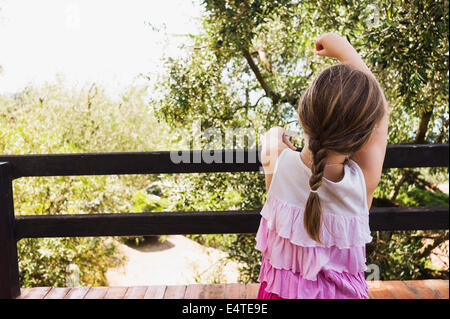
(273, 139)
(287, 142)
(335, 46)
(273, 143)
(272, 146)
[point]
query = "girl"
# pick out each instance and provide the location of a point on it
(315, 222)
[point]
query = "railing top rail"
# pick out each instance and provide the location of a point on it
(193, 161)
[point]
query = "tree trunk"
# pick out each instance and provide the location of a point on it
(423, 127)
(273, 95)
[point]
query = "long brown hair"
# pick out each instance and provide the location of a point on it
(338, 113)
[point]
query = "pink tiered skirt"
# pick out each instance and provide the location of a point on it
(295, 267)
(328, 284)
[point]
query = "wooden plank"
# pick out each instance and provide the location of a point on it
(37, 293)
(9, 268)
(379, 291)
(195, 291)
(155, 292)
(143, 163)
(133, 224)
(252, 290)
(57, 293)
(205, 291)
(216, 291)
(77, 292)
(116, 292)
(416, 155)
(207, 222)
(235, 291)
(23, 293)
(413, 289)
(96, 293)
(175, 292)
(439, 287)
(399, 289)
(409, 218)
(421, 291)
(241, 160)
(137, 292)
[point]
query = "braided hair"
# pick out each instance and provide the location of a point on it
(338, 113)
(313, 210)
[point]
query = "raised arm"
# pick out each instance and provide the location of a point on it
(371, 156)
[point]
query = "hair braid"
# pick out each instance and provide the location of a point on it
(319, 160)
(312, 218)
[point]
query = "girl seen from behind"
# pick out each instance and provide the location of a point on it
(315, 222)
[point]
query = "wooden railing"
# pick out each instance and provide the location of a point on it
(14, 228)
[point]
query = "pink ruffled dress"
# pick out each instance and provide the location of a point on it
(293, 265)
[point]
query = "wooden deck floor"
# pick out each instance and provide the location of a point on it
(415, 289)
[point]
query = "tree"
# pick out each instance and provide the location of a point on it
(254, 59)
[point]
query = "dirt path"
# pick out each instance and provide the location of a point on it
(178, 260)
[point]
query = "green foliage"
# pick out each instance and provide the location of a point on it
(414, 196)
(409, 50)
(404, 252)
(400, 259)
(55, 119)
(403, 256)
(45, 262)
(243, 251)
(147, 201)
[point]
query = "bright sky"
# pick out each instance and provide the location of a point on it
(106, 41)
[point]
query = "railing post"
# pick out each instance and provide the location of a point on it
(9, 269)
